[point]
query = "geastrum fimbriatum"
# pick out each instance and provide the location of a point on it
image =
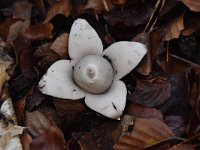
(93, 73)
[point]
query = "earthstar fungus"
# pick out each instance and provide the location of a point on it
(89, 74)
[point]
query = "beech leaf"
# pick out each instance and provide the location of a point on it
(151, 93)
(51, 139)
(60, 45)
(146, 131)
(37, 122)
(62, 7)
(193, 5)
(174, 28)
(98, 6)
(39, 32)
(17, 28)
(22, 10)
(182, 147)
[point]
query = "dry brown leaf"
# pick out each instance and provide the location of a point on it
(27, 64)
(174, 28)
(69, 107)
(60, 45)
(39, 9)
(5, 25)
(37, 122)
(140, 111)
(51, 139)
(39, 32)
(174, 65)
(15, 29)
(145, 132)
(49, 56)
(26, 139)
(151, 93)
(62, 7)
(84, 141)
(43, 50)
(194, 101)
(22, 10)
(191, 25)
(144, 66)
(182, 147)
(100, 5)
(118, 2)
(193, 5)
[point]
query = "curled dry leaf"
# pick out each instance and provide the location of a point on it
(98, 6)
(61, 7)
(191, 24)
(43, 50)
(174, 28)
(20, 44)
(60, 45)
(144, 66)
(5, 25)
(145, 132)
(193, 5)
(20, 107)
(51, 139)
(48, 56)
(22, 10)
(39, 32)
(34, 99)
(140, 111)
(151, 93)
(26, 139)
(36, 122)
(78, 8)
(17, 28)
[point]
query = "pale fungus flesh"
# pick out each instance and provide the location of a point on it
(83, 40)
(93, 74)
(58, 81)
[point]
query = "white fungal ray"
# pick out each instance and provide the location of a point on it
(125, 56)
(83, 40)
(58, 81)
(111, 103)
